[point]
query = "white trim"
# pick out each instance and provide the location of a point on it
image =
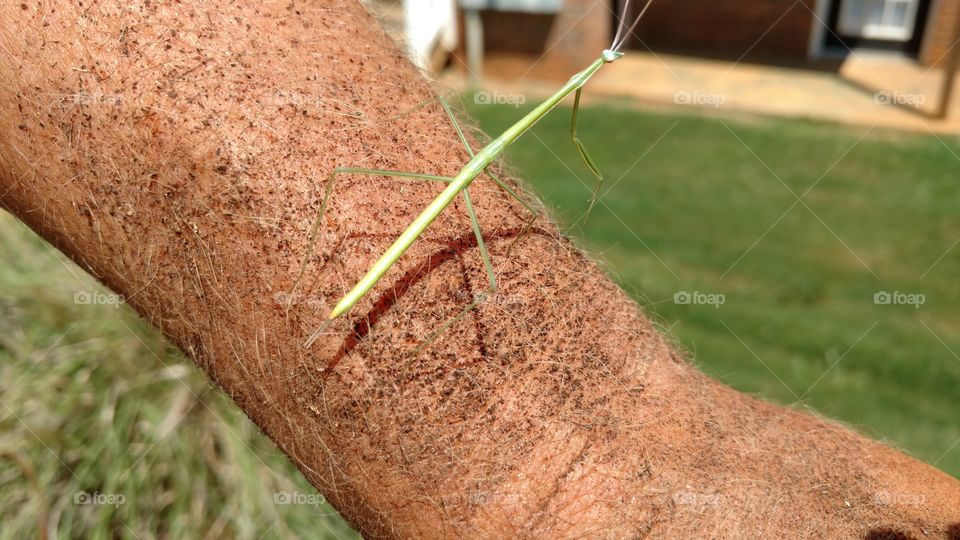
(427, 23)
(818, 29)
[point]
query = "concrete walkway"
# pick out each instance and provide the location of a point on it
(868, 89)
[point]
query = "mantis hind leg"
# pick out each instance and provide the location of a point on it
(328, 190)
(503, 185)
(463, 139)
(479, 298)
(534, 213)
(584, 155)
(417, 107)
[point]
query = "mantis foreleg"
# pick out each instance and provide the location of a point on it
(583, 152)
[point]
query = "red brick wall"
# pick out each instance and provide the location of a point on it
(729, 28)
(942, 31)
(581, 31)
(558, 45)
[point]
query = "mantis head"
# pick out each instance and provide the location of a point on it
(609, 55)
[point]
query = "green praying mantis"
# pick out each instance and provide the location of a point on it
(478, 164)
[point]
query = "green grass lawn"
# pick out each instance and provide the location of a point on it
(106, 431)
(697, 204)
(93, 401)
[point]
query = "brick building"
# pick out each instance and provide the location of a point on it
(562, 40)
(801, 30)
(941, 31)
(782, 31)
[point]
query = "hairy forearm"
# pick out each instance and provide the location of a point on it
(179, 154)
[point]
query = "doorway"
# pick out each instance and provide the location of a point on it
(895, 25)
